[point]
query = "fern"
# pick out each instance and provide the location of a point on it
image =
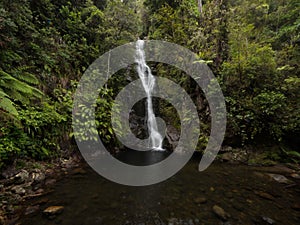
(16, 87)
(6, 104)
(21, 74)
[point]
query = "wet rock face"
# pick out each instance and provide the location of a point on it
(173, 136)
(138, 126)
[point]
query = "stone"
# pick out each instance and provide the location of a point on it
(37, 177)
(268, 220)
(220, 212)
(18, 190)
(53, 211)
(228, 156)
(200, 200)
(32, 209)
(295, 175)
(21, 177)
(280, 178)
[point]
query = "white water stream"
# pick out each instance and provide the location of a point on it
(148, 81)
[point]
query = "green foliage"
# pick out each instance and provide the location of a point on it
(102, 121)
(45, 46)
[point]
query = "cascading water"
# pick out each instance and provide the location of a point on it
(148, 81)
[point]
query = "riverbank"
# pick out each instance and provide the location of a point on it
(28, 179)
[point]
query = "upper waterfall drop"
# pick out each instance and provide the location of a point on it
(148, 82)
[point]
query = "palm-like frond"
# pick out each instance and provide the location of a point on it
(6, 104)
(21, 74)
(16, 87)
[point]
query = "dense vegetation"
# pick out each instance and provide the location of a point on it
(46, 45)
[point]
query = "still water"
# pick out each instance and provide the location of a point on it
(246, 195)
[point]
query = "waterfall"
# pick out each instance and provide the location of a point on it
(148, 82)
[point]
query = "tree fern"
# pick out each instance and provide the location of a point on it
(15, 87)
(6, 104)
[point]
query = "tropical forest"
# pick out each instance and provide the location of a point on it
(149, 112)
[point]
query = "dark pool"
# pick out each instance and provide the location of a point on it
(187, 198)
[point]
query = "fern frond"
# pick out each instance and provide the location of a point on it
(27, 77)
(7, 105)
(14, 84)
(37, 93)
(16, 87)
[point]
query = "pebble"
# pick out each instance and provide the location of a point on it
(268, 220)
(279, 178)
(220, 212)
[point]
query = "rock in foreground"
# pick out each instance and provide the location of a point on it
(53, 211)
